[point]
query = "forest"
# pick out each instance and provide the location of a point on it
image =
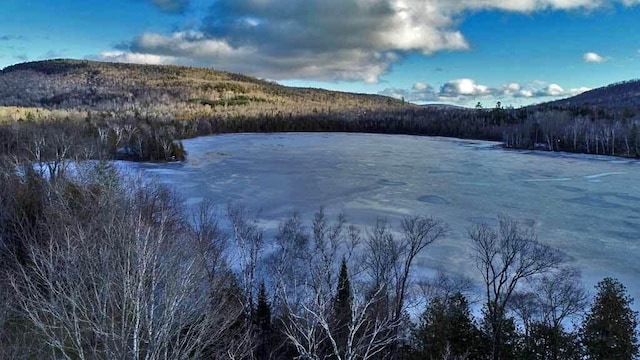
(97, 265)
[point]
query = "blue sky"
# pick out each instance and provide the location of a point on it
(427, 51)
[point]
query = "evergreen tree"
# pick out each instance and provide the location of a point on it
(551, 343)
(342, 315)
(447, 330)
(510, 339)
(262, 322)
(609, 329)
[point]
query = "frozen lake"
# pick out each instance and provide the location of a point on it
(586, 206)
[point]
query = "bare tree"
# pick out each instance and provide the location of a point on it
(389, 262)
(287, 264)
(418, 232)
(543, 308)
(525, 305)
(505, 258)
(309, 320)
(444, 285)
(211, 243)
(308, 328)
(127, 282)
(561, 295)
(249, 241)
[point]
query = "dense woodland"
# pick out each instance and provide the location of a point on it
(97, 265)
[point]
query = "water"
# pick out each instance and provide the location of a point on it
(586, 206)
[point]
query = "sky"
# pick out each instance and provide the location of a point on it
(458, 52)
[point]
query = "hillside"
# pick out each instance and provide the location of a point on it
(166, 92)
(140, 112)
(618, 96)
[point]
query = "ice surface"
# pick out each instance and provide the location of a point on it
(586, 206)
(433, 199)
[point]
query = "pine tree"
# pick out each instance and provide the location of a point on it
(609, 329)
(446, 329)
(551, 343)
(342, 302)
(262, 322)
(509, 338)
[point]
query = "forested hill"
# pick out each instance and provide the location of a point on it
(166, 91)
(618, 96)
(138, 112)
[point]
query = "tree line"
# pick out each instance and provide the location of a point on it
(95, 265)
(137, 137)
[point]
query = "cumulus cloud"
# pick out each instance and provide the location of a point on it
(171, 6)
(420, 86)
(553, 90)
(548, 91)
(592, 57)
(465, 90)
(326, 39)
(127, 57)
(464, 87)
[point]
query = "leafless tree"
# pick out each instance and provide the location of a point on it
(417, 233)
(561, 295)
(211, 243)
(505, 257)
(308, 327)
(308, 299)
(127, 283)
(525, 305)
(286, 264)
(444, 285)
(389, 262)
(249, 242)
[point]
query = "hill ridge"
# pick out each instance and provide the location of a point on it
(618, 95)
(168, 90)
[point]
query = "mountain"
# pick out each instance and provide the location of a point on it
(618, 96)
(165, 91)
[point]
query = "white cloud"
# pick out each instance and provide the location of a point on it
(128, 57)
(464, 91)
(464, 87)
(511, 89)
(554, 90)
(189, 44)
(196, 49)
(524, 93)
(592, 57)
(326, 39)
(420, 86)
(577, 91)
